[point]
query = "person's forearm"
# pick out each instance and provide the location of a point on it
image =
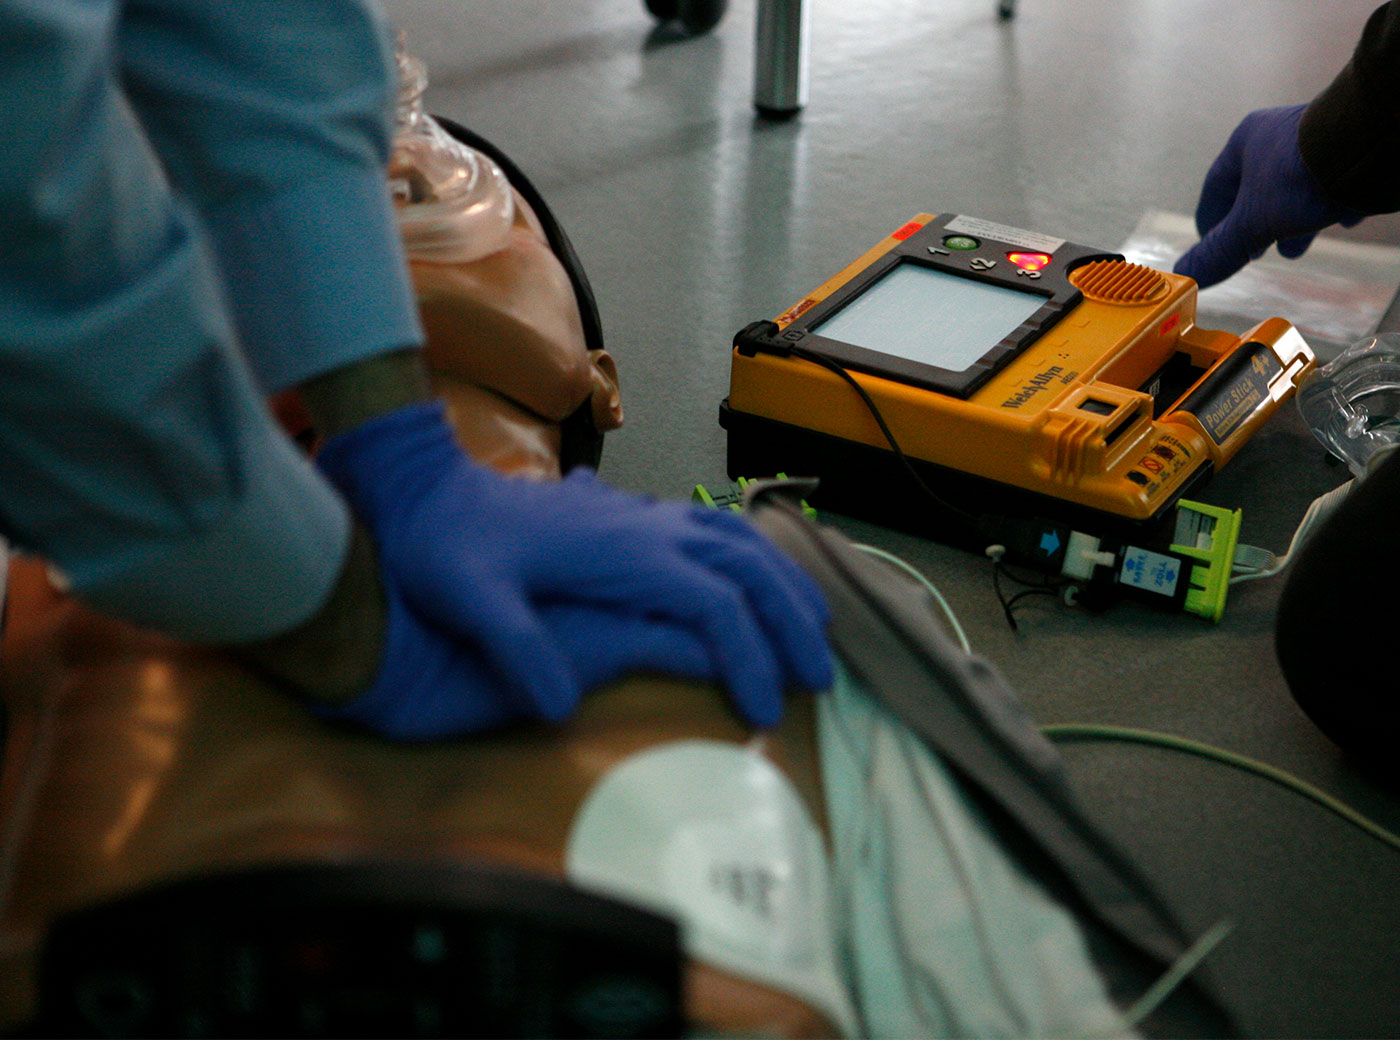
(283, 151)
(336, 654)
(340, 400)
(1350, 133)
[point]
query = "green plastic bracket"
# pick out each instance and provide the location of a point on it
(1208, 534)
(732, 497)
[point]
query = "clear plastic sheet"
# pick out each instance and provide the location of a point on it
(1335, 293)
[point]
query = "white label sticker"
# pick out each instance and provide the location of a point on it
(1152, 571)
(1029, 240)
(717, 836)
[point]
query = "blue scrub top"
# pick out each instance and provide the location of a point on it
(193, 212)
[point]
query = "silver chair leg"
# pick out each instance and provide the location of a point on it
(781, 60)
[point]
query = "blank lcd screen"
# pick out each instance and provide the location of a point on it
(930, 317)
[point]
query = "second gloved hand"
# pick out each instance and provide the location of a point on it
(433, 684)
(1258, 192)
(477, 557)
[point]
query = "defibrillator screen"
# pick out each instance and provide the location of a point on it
(931, 317)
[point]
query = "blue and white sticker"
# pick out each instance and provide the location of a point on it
(1150, 571)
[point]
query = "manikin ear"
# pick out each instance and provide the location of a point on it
(607, 395)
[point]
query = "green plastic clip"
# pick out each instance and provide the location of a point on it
(1209, 534)
(732, 497)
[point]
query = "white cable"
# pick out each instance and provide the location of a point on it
(929, 587)
(1184, 965)
(1252, 558)
(1253, 563)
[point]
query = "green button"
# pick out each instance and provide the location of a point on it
(961, 242)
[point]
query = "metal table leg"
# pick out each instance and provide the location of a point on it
(781, 60)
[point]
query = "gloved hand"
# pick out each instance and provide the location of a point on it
(507, 598)
(434, 684)
(1256, 193)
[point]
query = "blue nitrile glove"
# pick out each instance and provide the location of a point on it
(1258, 192)
(483, 562)
(433, 684)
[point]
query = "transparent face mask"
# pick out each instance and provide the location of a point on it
(454, 204)
(1352, 403)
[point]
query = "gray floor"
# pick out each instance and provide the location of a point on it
(693, 218)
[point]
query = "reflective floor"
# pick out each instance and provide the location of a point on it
(694, 217)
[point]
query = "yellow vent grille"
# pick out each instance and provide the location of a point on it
(1117, 281)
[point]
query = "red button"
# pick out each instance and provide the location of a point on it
(1029, 261)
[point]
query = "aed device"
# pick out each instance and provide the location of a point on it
(1009, 373)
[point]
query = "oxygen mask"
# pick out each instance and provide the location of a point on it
(454, 204)
(1352, 403)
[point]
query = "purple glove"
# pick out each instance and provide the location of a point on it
(433, 684)
(508, 598)
(1258, 192)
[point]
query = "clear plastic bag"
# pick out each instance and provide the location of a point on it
(1335, 293)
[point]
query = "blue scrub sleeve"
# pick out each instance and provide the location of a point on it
(135, 451)
(275, 119)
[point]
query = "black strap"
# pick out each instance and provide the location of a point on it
(894, 643)
(388, 948)
(553, 230)
(582, 443)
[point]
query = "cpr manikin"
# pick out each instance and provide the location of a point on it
(138, 760)
(831, 874)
